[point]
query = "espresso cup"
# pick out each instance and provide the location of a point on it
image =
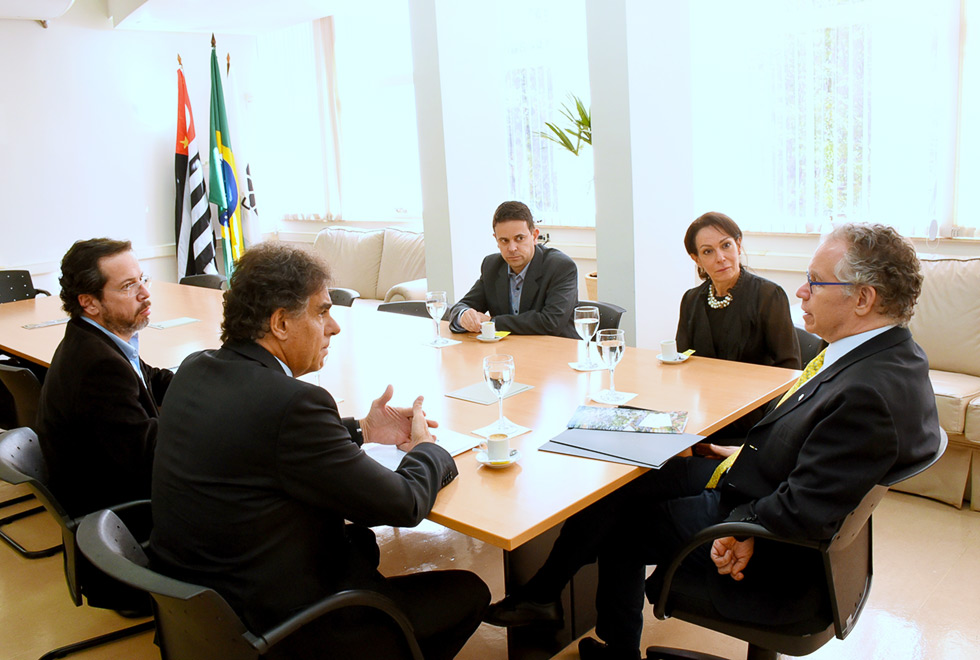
(668, 350)
(498, 448)
(488, 330)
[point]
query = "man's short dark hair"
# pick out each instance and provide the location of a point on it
(269, 276)
(513, 211)
(880, 257)
(80, 272)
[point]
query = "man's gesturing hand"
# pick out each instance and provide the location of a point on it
(388, 425)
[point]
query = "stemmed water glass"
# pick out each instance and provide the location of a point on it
(435, 304)
(498, 371)
(586, 324)
(611, 345)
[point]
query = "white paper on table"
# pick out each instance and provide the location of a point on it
(45, 324)
(578, 366)
(508, 428)
(443, 343)
(480, 393)
(173, 323)
(615, 398)
(391, 456)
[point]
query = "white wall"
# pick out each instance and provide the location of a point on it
(87, 134)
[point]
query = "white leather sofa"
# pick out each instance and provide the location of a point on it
(380, 264)
(947, 325)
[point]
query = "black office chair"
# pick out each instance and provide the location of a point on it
(810, 345)
(23, 385)
(195, 623)
(847, 563)
(343, 297)
(21, 462)
(408, 307)
(609, 314)
(25, 390)
(17, 285)
(207, 281)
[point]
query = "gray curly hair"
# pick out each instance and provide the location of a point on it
(880, 257)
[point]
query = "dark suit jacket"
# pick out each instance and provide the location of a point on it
(548, 298)
(812, 459)
(759, 328)
(254, 477)
(97, 422)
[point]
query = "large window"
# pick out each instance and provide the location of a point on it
(339, 107)
(543, 61)
(813, 112)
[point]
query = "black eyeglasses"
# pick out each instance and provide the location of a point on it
(811, 283)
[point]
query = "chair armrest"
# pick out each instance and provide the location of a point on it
(709, 534)
(44, 291)
(340, 600)
(411, 290)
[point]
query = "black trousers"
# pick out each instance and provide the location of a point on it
(643, 523)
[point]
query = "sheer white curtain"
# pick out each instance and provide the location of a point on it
(542, 59)
(337, 103)
(813, 112)
(299, 122)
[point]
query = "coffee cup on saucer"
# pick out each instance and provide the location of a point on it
(498, 448)
(488, 330)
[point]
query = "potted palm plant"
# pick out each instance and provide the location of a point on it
(572, 138)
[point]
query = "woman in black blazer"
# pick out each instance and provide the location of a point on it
(733, 314)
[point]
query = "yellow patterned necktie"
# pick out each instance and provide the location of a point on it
(811, 369)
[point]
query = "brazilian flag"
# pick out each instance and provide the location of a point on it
(223, 191)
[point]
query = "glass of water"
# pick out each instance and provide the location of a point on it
(498, 371)
(435, 304)
(611, 345)
(586, 323)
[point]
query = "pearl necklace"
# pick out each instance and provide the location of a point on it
(715, 303)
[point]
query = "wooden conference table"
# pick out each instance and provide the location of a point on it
(508, 508)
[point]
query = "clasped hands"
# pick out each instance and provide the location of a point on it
(402, 427)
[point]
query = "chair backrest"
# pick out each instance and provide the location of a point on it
(847, 556)
(810, 345)
(609, 314)
(409, 307)
(17, 285)
(196, 623)
(343, 297)
(907, 473)
(26, 391)
(193, 622)
(206, 281)
(22, 462)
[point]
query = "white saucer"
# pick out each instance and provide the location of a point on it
(490, 340)
(680, 358)
(483, 459)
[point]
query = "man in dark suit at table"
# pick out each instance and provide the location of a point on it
(527, 289)
(97, 415)
(256, 475)
(862, 409)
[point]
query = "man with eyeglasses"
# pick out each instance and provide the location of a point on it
(862, 409)
(97, 416)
